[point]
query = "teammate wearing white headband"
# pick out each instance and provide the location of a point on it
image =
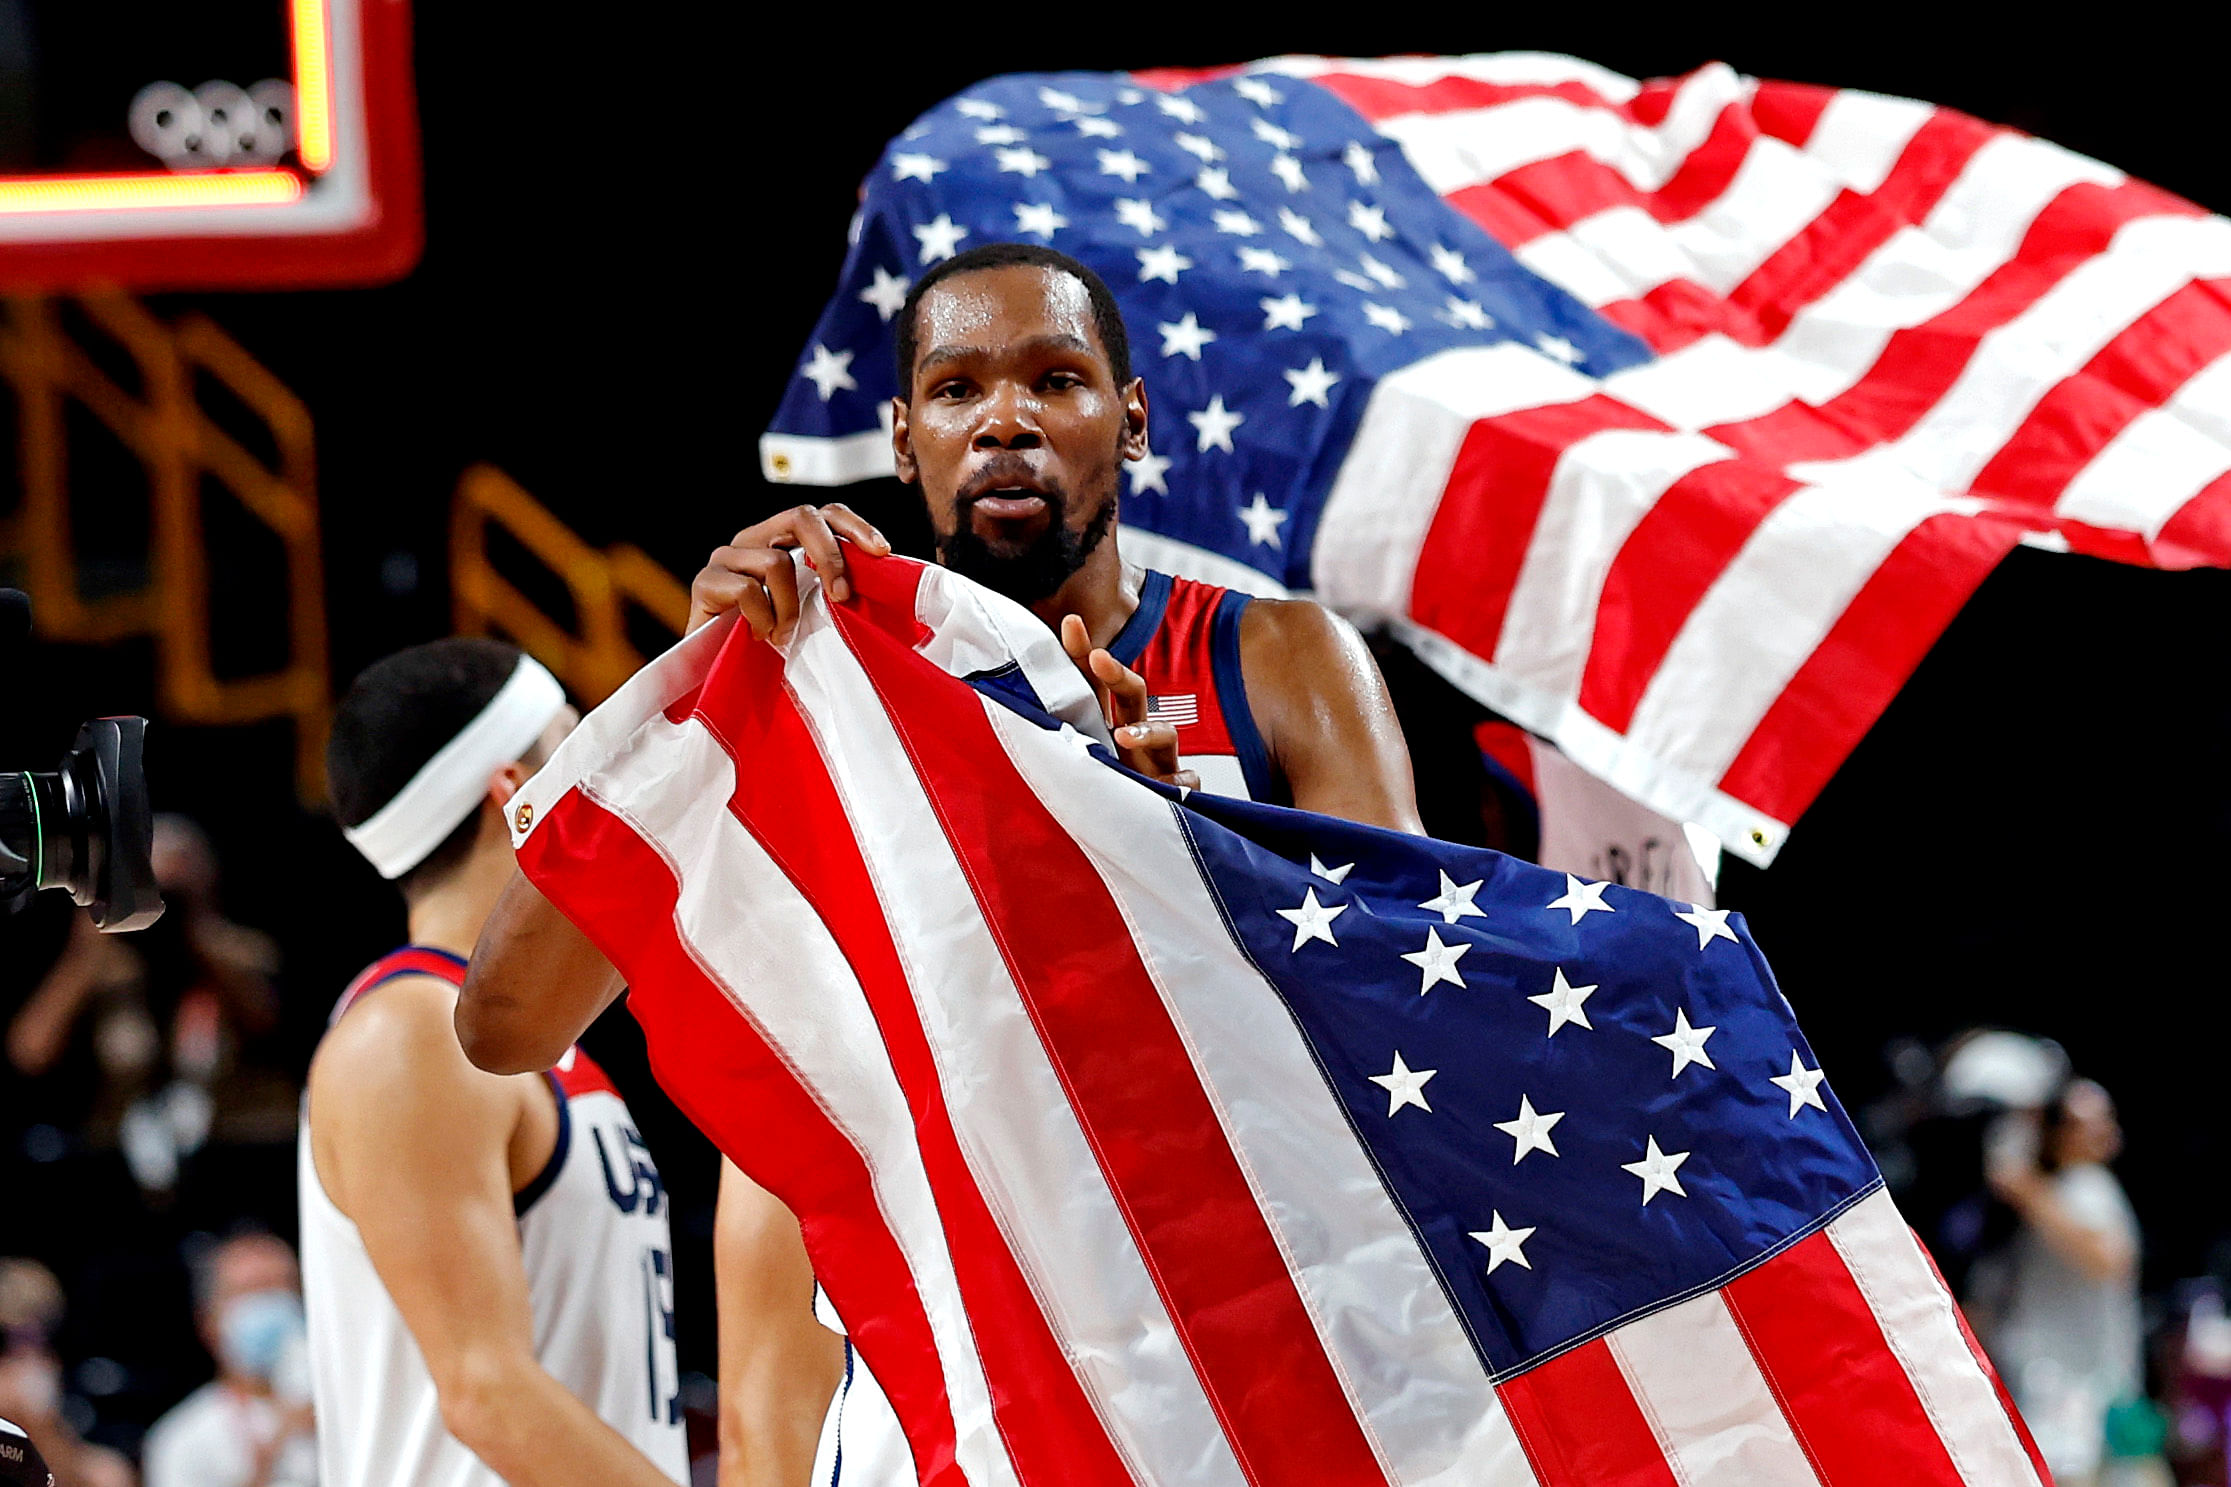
(486, 1265)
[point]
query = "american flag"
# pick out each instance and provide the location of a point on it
(1145, 1137)
(1674, 421)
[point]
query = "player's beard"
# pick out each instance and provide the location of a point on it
(1038, 570)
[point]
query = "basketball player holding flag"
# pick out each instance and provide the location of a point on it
(486, 1264)
(1020, 413)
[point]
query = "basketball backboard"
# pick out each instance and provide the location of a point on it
(224, 144)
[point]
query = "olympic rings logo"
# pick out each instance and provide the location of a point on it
(217, 124)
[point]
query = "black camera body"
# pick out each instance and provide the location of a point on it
(20, 1462)
(85, 826)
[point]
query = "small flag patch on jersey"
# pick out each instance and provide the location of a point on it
(1180, 711)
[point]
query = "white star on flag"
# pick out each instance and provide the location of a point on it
(1164, 263)
(1358, 158)
(980, 108)
(1801, 1084)
(1288, 169)
(1565, 1003)
(1299, 227)
(1454, 901)
(887, 293)
(940, 239)
(1386, 317)
(1262, 261)
(1404, 1086)
(1557, 346)
(1530, 1129)
(829, 370)
(1582, 899)
(1040, 218)
(1258, 92)
(1656, 1170)
(1217, 182)
(1200, 147)
(1468, 314)
(1185, 337)
(1310, 383)
(1451, 264)
(1184, 110)
(916, 167)
(1286, 313)
(1093, 128)
(1334, 875)
(1063, 103)
(1312, 920)
(1214, 425)
(1262, 521)
(1271, 134)
(1001, 134)
(1382, 272)
(1147, 472)
(1437, 961)
(1237, 223)
(1709, 924)
(1504, 1243)
(1370, 221)
(1022, 161)
(1123, 163)
(1686, 1043)
(1135, 213)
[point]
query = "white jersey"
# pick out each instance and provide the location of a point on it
(600, 1274)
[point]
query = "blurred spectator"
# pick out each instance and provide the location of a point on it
(150, 1038)
(31, 1379)
(2058, 1310)
(251, 1425)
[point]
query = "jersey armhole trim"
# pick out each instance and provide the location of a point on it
(1131, 641)
(529, 1195)
(1231, 696)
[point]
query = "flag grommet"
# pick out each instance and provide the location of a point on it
(524, 817)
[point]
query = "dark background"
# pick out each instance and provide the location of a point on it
(634, 216)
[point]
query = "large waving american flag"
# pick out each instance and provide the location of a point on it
(1674, 421)
(1144, 1138)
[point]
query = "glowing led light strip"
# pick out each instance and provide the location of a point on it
(111, 193)
(313, 87)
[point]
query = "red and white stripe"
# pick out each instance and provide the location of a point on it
(1894, 342)
(962, 999)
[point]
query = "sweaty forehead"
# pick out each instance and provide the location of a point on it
(992, 308)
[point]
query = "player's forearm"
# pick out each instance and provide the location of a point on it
(770, 1419)
(532, 1431)
(535, 984)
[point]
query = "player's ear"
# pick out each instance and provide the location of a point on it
(1135, 445)
(902, 443)
(504, 782)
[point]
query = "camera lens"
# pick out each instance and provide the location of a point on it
(85, 827)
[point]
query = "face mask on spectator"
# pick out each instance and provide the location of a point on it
(255, 1331)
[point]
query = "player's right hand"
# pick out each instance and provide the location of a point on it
(753, 574)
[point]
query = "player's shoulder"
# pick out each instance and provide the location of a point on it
(1297, 639)
(400, 1031)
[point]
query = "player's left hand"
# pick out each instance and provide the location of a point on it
(1149, 748)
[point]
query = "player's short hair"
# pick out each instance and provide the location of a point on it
(1107, 318)
(398, 714)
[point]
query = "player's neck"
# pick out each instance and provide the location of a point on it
(1103, 593)
(449, 917)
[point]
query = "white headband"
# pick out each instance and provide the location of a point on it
(448, 787)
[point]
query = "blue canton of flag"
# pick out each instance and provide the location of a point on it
(1590, 1102)
(1273, 254)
